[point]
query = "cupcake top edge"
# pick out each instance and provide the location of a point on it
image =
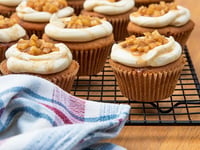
(78, 28)
(10, 30)
(37, 56)
(41, 10)
(10, 3)
(109, 7)
(160, 15)
(152, 49)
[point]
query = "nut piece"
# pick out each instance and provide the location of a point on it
(82, 22)
(6, 22)
(155, 10)
(144, 44)
(36, 46)
(51, 6)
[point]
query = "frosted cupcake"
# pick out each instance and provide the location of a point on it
(50, 61)
(10, 33)
(139, 3)
(7, 7)
(147, 68)
(77, 5)
(168, 18)
(115, 11)
(33, 15)
(89, 39)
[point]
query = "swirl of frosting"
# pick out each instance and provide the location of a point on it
(10, 2)
(12, 33)
(28, 14)
(158, 56)
(109, 8)
(53, 62)
(177, 17)
(56, 30)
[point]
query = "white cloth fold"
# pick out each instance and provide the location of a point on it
(36, 114)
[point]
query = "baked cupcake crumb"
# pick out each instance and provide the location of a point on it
(145, 44)
(36, 46)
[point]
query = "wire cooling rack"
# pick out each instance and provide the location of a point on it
(182, 108)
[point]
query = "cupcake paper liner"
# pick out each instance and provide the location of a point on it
(90, 55)
(77, 5)
(7, 15)
(31, 27)
(3, 48)
(6, 11)
(38, 33)
(63, 79)
(91, 61)
(180, 34)
(119, 27)
(147, 86)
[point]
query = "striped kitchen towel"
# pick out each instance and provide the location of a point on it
(35, 114)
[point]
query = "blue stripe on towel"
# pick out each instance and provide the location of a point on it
(37, 96)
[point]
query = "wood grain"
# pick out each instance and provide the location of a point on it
(168, 137)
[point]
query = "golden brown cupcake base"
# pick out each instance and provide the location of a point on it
(31, 27)
(139, 3)
(119, 22)
(91, 55)
(64, 79)
(180, 34)
(147, 84)
(77, 5)
(6, 11)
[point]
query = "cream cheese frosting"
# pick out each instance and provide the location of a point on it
(177, 17)
(10, 2)
(55, 29)
(158, 56)
(12, 33)
(28, 14)
(109, 8)
(19, 62)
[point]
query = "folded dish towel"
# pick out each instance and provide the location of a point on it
(36, 114)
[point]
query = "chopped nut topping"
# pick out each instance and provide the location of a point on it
(51, 6)
(82, 22)
(143, 45)
(6, 22)
(36, 46)
(155, 10)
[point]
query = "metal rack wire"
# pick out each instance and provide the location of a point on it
(182, 108)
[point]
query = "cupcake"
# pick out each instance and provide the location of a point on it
(139, 3)
(7, 7)
(168, 18)
(77, 5)
(89, 39)
(37, 57)
(147, 68)
(33, 15)
(115, 11)
(10, 33)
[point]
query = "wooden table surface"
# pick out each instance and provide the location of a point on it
(168, 137)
